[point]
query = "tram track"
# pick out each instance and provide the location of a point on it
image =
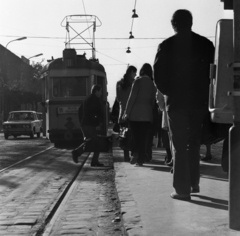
(35, 189)
(25, 159)
(15, 150)
(32, 189)
(90, 204)
(62, 199)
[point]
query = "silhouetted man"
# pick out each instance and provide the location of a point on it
(181, 73)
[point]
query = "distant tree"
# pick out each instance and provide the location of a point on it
(24, 92)
(36, 82)
(24, 78)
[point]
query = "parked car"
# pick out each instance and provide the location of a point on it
(22, 123)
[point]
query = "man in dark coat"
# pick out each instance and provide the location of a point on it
(91, 124)
(181, 73)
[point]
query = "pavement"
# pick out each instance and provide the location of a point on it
(148, 209)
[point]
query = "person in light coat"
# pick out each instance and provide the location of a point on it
(139, 111)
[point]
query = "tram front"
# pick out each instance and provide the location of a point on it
(67, 82)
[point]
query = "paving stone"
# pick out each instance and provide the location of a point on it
(78, 216)
(77, 232)
(7, 222)
(20, 227)
(29, 221)
(3, 227)
(42, 201)
(32, 213)
(4, 232)
(13, 213)
(76, 226)
(82, 223)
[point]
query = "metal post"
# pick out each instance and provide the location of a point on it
(234, 134)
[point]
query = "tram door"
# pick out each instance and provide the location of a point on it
(220, 104)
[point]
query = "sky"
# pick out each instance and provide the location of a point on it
(40, 21)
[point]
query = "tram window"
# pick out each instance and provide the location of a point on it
(100, 80)
(70, 86)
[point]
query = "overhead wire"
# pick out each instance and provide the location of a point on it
(105, 38)
(111, 57)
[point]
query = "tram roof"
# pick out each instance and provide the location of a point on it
(81, 62)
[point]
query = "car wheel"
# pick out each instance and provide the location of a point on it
(6, 136)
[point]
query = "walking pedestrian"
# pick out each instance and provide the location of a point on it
(181, 73)
(123, 89)
(91, 125)
(139, 111)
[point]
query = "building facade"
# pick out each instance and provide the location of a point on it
(16, 85)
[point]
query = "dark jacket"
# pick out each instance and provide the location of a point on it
(181, 70)
(92, 111)
(122, 97)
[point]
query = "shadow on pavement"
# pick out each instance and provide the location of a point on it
(211, 202)
(207, 170)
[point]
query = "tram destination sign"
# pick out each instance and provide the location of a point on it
(68, 109)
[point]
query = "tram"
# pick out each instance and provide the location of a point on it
(67, 81)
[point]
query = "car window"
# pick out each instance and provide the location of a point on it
(19, 116)
(14, 117)
(29, 116)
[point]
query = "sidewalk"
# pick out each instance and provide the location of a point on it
(148, 209)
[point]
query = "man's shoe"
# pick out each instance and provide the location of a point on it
(133, 159)
(182, 197)
(207, 158)
(148, 158)
(98, 164)
(75, 156)
(195, 190)
(139, 164)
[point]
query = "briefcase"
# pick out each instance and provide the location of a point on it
(98, 143)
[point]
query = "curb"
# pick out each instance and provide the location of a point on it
(130, 215)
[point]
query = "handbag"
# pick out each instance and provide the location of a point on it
(116, 127)
(125, 138)
(165, 124)
(98, 143)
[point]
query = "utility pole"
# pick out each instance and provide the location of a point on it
(234, 133)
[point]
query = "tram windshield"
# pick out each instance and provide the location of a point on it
(70, 86)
